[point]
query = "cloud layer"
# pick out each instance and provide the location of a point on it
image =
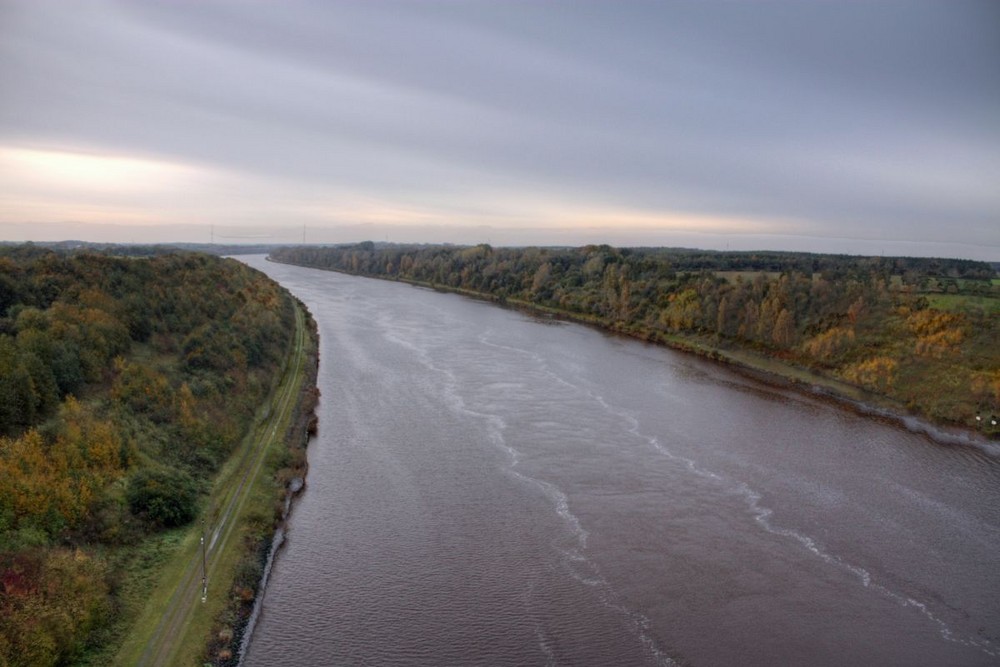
(876, 122)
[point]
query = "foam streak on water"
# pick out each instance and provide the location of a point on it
(763, 517)
(574, 559)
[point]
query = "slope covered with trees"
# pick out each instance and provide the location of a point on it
(922, 332)
(124, 384)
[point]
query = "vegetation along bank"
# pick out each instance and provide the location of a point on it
(914, 335)
(126, 387)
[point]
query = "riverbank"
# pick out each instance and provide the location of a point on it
(766, 369)
(287, 469)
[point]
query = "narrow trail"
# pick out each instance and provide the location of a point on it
(161, 648)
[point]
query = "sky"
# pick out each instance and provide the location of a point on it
(857, 127)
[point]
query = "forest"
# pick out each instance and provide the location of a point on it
(920, 333)
(125, 382)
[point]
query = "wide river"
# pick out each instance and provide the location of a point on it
(488, 488)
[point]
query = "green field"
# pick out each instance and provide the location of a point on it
(957, 303)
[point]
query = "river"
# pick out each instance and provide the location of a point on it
(491, 488)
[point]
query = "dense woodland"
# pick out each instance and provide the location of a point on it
(922, 332)
(124, 384)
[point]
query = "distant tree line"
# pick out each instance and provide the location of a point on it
(146, 249)
(922, 331)
(124, 383)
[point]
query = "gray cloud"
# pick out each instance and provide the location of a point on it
(857, 120)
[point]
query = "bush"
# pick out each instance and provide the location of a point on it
(164, 497)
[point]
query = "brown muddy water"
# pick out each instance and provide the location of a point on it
(491, 489)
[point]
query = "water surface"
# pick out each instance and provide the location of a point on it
(488, 488)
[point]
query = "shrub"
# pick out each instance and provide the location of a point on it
(164, 497)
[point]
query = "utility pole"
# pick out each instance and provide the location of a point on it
(204, 564)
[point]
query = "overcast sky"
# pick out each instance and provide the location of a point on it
(868, 127)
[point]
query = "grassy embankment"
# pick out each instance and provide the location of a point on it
(162, 586)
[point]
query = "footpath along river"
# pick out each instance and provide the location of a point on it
(488, 488)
